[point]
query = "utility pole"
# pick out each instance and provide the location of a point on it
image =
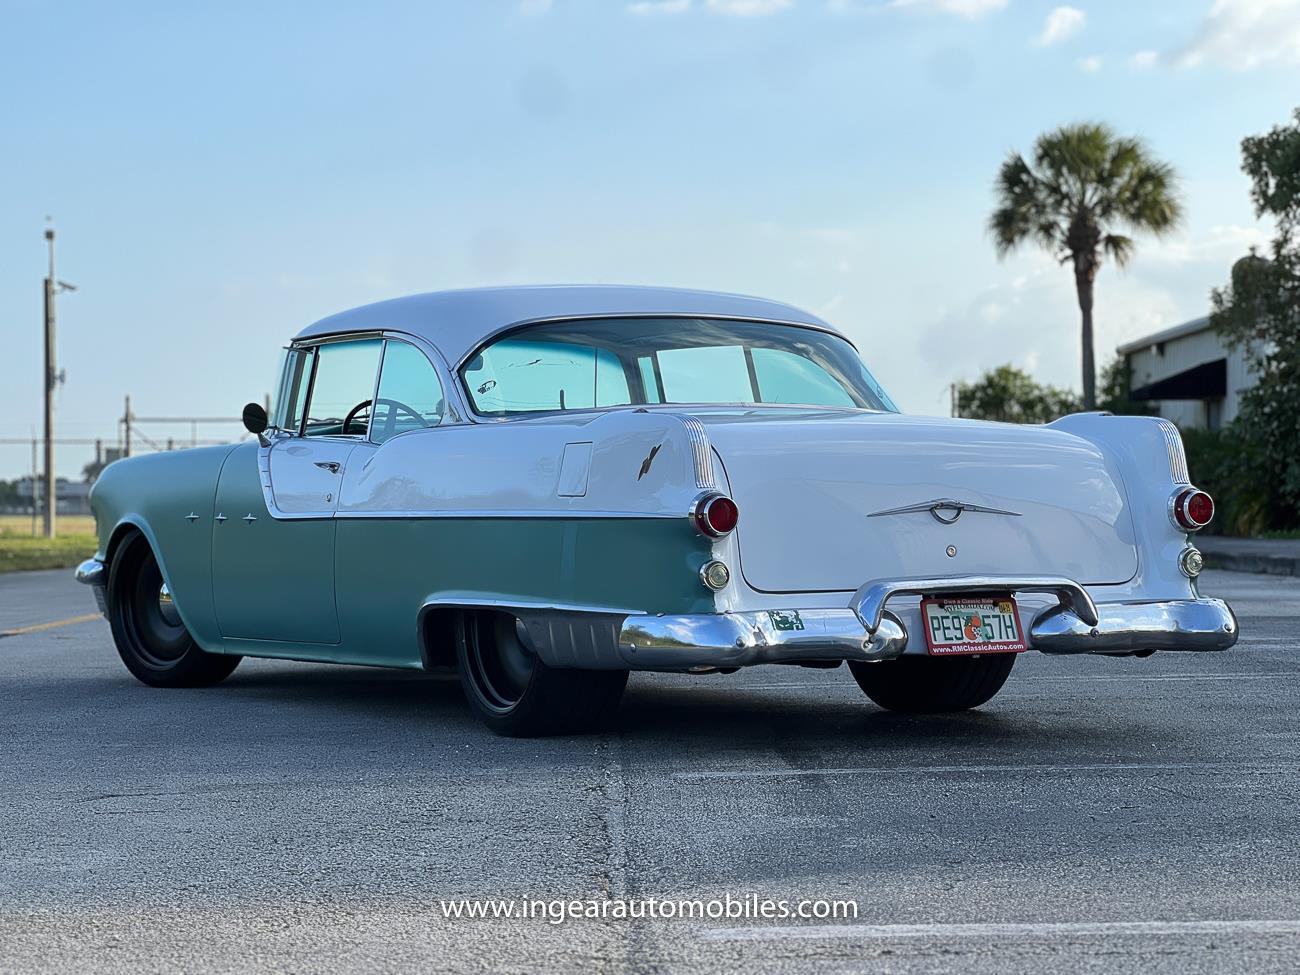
(35, 481)
(51, 382)
(126, 422)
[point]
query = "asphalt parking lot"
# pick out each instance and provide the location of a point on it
(1099, 815)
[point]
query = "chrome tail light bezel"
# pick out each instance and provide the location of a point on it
(1179, 509)
(699, 513)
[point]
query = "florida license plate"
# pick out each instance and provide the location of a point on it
(972, 624)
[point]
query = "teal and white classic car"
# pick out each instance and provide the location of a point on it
(548, 487)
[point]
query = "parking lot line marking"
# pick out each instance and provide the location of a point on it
(779, 773)
(1067, 929)
(41, 627)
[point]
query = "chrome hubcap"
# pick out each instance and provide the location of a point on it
(167, 606)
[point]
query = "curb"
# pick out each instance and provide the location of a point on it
(1273, 565)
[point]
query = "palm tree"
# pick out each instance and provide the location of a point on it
(1085, 183)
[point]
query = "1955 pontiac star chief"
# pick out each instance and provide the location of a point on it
(548, 487)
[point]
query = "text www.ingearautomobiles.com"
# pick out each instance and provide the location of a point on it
(560, 910)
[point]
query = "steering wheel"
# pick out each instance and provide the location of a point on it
(392, 405)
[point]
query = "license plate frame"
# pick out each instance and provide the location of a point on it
(992, 632)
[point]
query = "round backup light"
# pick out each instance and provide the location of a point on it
(715, 575)
(715, 514)
(1191, 562)
(1193, 509)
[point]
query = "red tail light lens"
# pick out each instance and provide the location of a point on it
(715, 514)
(1193, 509)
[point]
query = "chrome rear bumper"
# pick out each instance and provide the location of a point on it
(867, 631)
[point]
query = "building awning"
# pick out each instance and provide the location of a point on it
(1206, 381)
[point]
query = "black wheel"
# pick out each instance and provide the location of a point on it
(518, 695)
(151, 639)
(933, 684)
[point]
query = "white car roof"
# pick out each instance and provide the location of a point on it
(457, 322)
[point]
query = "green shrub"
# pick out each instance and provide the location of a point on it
(1221, 462)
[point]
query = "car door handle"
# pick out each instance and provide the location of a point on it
(332, 466)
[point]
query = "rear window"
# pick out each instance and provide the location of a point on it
(581, 365)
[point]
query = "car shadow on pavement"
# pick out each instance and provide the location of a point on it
(662, 710)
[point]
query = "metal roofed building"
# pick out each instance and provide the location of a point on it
(1188, 374)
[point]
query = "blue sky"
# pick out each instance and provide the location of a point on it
(222, 175)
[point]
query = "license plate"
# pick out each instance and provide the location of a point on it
(972, 624)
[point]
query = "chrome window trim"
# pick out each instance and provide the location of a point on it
(624, 316)
(374, 390)
(456, 410)
(434, 362)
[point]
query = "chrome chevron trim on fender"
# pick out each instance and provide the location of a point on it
(869, 601)
(1177, 455)
(701, 449)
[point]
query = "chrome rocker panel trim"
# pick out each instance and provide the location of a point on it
(92, 573)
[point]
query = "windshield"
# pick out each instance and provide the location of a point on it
(581, 365)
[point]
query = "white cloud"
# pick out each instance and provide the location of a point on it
(1144, 59)
(1061, 23)
(643, 7)
(969, 9)
(531, 8)
(1243, 34)
(1221, 246)
(1090, 64)
(747, 8)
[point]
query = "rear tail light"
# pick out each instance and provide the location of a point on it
(714, 514)
(1192, 509)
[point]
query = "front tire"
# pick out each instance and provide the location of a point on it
(151, 639)
(919, 685)
(519, 696)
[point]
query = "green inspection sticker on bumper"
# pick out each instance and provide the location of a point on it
(785, 620)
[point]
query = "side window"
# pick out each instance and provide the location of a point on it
(410, 395)
(516, 376)
(784, 377)
(293, 393)
(341, 389)
(706, 374)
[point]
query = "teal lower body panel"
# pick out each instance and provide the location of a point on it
(387, 569)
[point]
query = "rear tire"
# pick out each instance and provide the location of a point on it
(918, 685)
(151, 640)
(519, 696)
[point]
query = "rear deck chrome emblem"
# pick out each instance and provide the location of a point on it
(946, 511)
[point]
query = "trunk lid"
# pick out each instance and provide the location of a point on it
(818, 494)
